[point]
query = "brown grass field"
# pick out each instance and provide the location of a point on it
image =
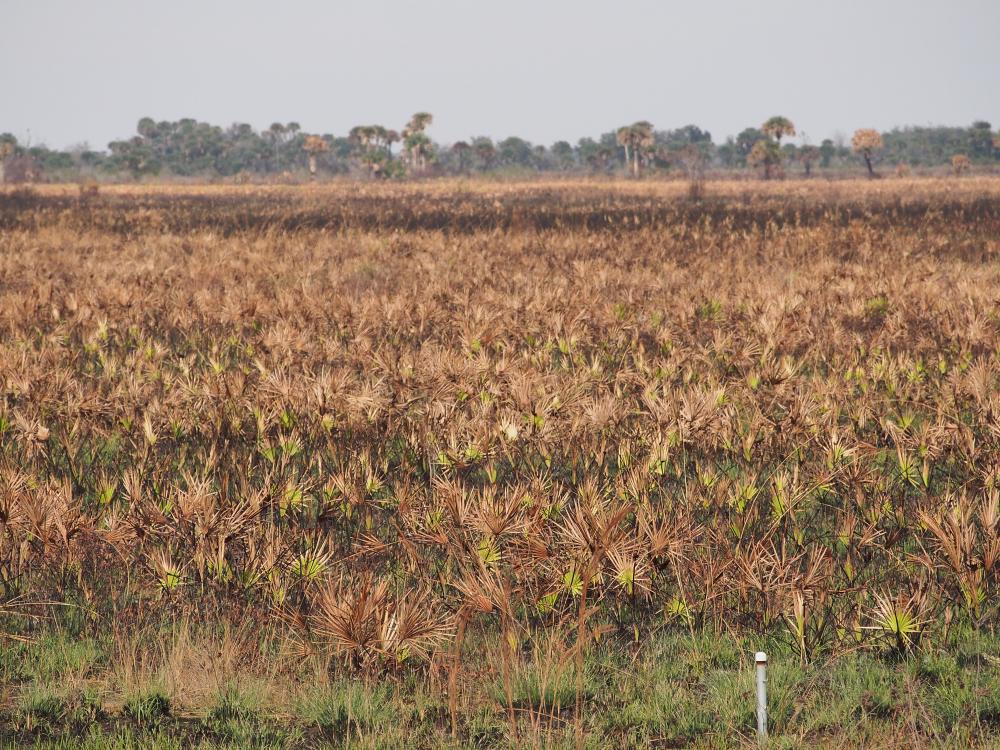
(471, 464)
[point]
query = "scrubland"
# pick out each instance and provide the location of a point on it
(466, 464)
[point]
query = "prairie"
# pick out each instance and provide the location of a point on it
(469, 463)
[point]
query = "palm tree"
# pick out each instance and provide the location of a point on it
(420, 121)
(391, 136)
(624, 138)
(778, 126)
(417, 144)
(866, 142)
(461, 150)
(765, 153)
(374, 145)
(637, 138)
(644, 141)
(378, 136)
(314, 145)
(358, 135)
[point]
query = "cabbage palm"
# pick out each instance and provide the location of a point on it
(637, 139)
(314, 145)
(415, 141)
(778, 126)
(766, 154)
(391, 137)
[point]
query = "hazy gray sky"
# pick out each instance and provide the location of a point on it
(79, 70)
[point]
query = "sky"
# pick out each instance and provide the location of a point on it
(85, 71)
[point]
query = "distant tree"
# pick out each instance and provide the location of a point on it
(148, 128)
(415, 141)
(826, 152)
(135, 156)
(186, 147)
(765, 153)
(586, 151)
(485, 151)
(745, 142)
(276, 134)
(808, 156)
(960, 164)
(678, 146)
(42, 160)
(22, 167)
(624, 136)
(692, 159)
(361, 136)
(540, 156)
(727, 154)
(515, 151)
(244, 151)
(677, 139)
(380, 153)
(601, 159)
(391, 137)
(420, 121)
(6, 151)
(981, 140)
(461, 151)
(867, 141)
(418, 147)
(563, 153)
(766, 150)
(363, 139)
(643, 145)
(638, 139)
(279, 137)
(776, 127)
(314, 145)
(372, 147)
(932, 145)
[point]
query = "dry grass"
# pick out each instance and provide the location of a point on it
(389, 421)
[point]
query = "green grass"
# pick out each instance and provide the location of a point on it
(680, 691)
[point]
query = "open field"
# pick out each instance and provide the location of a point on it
(466, 464)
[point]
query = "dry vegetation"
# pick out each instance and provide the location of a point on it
(544, 462)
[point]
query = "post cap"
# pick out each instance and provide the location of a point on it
(761, 657)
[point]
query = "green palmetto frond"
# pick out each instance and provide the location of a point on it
(897, 619)
(311, 564)
(169, 574)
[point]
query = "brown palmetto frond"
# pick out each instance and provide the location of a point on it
(349, 615)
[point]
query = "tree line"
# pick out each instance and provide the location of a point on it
(189, 148)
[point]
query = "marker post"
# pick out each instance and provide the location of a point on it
(761, 698)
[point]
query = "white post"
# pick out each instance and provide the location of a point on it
(761, 697)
